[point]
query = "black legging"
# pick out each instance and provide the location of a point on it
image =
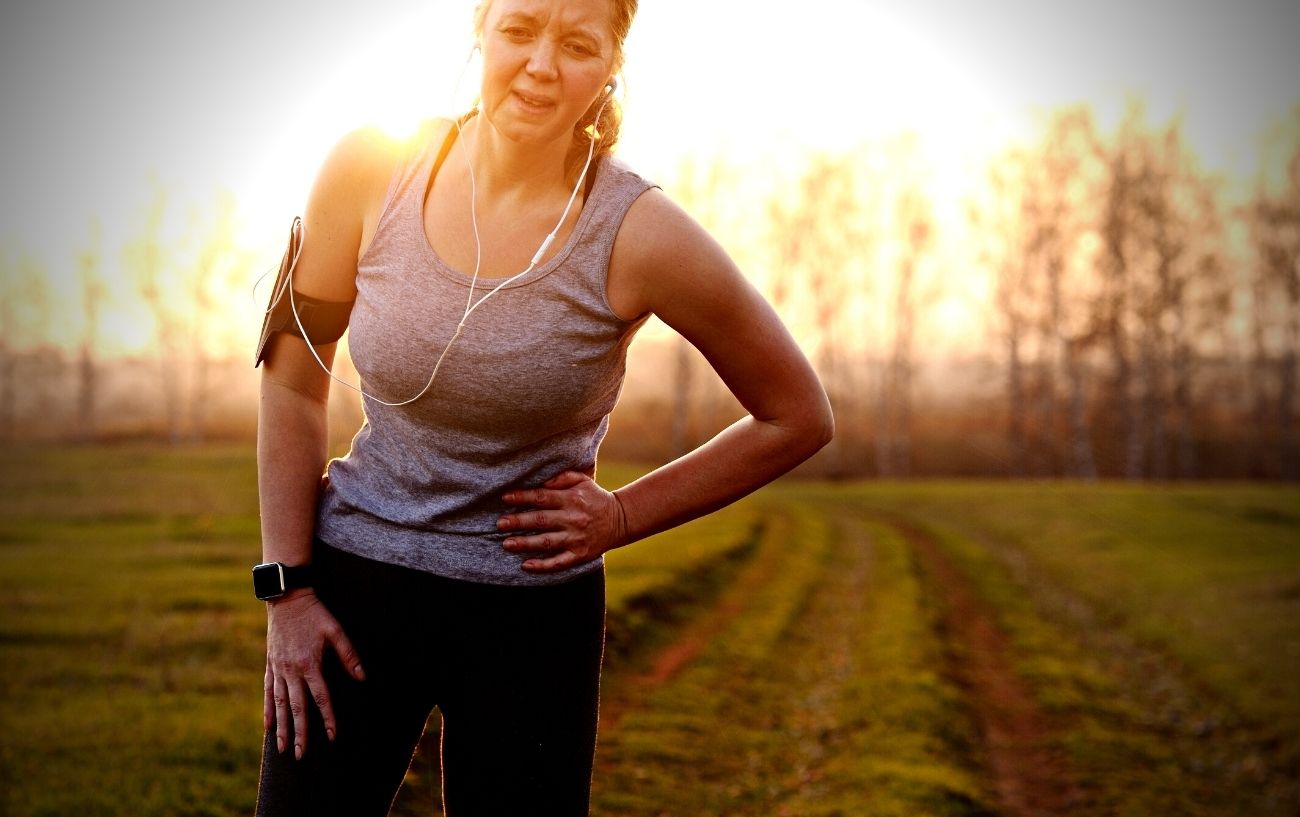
(515, 672)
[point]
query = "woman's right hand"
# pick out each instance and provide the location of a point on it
(298, 630)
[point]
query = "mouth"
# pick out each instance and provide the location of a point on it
(533, 103)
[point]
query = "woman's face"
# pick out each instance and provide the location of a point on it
(544, 63)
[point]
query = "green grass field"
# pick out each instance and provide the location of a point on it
(1152, 634)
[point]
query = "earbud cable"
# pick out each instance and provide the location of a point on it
(470, 303)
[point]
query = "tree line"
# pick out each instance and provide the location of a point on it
(1142, 317)
(1138, 316)
(1149, 314)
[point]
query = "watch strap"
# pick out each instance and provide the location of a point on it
(297, 577)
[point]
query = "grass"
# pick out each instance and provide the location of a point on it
(131, 653)
(823, 696)
(1153, 623)
(1157, 626)
(1208, 574)
(133, 650)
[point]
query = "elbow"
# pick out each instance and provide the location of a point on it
(816, 429)
(823, 428)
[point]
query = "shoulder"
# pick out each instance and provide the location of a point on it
(362, 161)
(342, 209)
(659, 235)
(660, 253)
(348, 195)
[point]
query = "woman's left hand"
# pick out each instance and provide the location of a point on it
(572, 518)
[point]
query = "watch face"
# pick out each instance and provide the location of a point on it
(268, 581)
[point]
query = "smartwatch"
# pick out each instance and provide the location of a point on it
(273, 579)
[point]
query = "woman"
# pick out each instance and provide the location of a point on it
(454, 557)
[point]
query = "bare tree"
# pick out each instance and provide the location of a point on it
(1185, 295)
(1120, 267)
(1061, 186)
(92, 297)
(915, 226)
(26, 358)
(1035, 228)
(8, 352)
(218, 266)
(1001, 241)
(149, 260)
(1273, 217)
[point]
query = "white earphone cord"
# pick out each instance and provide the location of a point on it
(470, 303)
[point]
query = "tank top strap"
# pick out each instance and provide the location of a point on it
(424, 154)
(615, 189)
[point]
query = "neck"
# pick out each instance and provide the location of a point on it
(505, 168)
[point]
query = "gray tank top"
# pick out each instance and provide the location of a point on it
(524, 393)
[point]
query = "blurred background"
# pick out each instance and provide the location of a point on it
(1015, 238)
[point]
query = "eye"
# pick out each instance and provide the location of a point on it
(580, 49)
(516, 33)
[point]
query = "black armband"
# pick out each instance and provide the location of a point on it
(323, 321)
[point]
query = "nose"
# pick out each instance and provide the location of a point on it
(541, 62)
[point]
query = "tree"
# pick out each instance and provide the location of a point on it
(1273, 218)
(92, 297)
(1164, 238)
(1000, 242)
(1038, 230)
(218, 264)
(25, 355)
(150, 262)
(915, 229)
(1183, 298)
(1067, 188)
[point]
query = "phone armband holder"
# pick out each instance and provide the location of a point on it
(293, 313)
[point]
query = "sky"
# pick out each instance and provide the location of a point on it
(103, 101)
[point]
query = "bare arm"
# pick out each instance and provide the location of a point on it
(292, 439)
(665, 263)
(694, 287)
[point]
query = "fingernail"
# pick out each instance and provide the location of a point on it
(297, 751)
(503, 523)
(279, 745)
(329, 733)
(360, 673)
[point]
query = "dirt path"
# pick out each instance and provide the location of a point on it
(813, 712)
(742, 713)
(620, 694)
(1030, 776)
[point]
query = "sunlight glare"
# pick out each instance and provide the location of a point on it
(404, 74)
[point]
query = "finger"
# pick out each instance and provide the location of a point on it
(565, 479)
(268, 698)
(282, 719)
(537, 520)
(536, 497)
(535, 543)
(321, 695)
(298, 709)
(346, 653)
(561, 561)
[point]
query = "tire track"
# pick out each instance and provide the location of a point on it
(1029, 775)
(833, 706)
(623, 691)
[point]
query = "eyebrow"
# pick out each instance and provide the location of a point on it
(533, 20)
